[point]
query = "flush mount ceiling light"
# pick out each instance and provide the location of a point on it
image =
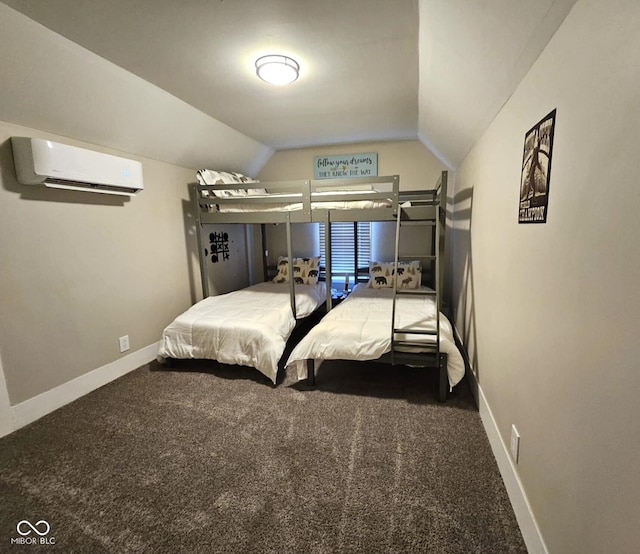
(277, 70)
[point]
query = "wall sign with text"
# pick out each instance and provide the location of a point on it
(345, 166)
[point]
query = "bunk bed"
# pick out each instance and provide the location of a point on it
(236, 199)
(394, 317)
(251, 326)
(244, 201)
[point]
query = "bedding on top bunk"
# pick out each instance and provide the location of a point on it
(360, 329)
(246, 327)
(315, 203)
(210, 177)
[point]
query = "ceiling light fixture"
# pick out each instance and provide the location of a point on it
(277, 70)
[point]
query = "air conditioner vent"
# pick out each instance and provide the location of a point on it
(55, 165)
(89, 187)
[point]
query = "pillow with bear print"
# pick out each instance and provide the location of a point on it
(305, 270)
(382, 275)
(409, 275)
(283, 271)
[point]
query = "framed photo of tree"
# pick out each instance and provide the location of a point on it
(536, 171)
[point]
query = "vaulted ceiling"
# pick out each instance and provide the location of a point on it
(436, 70)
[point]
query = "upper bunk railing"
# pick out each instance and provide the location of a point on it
(426, 204)
(304, 200)
(239, 203)
(308, 200)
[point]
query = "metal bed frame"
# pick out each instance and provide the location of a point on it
(287, 193)
(432, 356)
(428, 207)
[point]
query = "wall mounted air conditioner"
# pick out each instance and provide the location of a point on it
(55, 165)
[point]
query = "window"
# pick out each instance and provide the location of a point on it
(350, 246)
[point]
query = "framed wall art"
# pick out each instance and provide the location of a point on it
(536, 171)
(219, 246)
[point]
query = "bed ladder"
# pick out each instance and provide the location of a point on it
(432, 354)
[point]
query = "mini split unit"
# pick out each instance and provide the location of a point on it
(55, 165)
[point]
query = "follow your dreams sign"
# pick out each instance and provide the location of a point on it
(345, 165)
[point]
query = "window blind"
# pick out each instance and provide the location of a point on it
(350, 246)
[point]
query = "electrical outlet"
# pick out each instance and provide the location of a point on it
(515, 443)
(124, 343)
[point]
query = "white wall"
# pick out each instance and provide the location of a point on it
(417, 166)
(81, 269)
(549, 312)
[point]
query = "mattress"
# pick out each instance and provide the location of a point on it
(248, 327)
(360, 329)
(355, 195)
(290, 204)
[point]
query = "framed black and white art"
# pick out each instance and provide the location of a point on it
(536, 171)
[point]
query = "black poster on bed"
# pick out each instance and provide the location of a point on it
(536, 171)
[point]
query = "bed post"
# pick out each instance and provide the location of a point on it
(265, 268)
(327, 256)
(292, 289)
(202, 258)
(442, 253)
(443, 379)
(311, 372)
(441, 263)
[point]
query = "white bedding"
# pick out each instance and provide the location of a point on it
(360, 329)
(316, 203)
(246, 327)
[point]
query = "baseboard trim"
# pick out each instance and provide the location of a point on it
(526, 520)
(39, 406)
(6, 415)
(517, 496)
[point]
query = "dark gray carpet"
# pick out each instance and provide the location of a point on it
(200, 458)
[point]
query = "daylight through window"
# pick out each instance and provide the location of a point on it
(350, 247)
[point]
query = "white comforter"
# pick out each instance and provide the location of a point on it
(360, 329)
(246, 327)
(316, 203)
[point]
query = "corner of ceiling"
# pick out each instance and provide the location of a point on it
(469, 67)
(428, 145)
(260, 160)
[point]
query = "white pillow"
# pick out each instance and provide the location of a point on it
(211, 177)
